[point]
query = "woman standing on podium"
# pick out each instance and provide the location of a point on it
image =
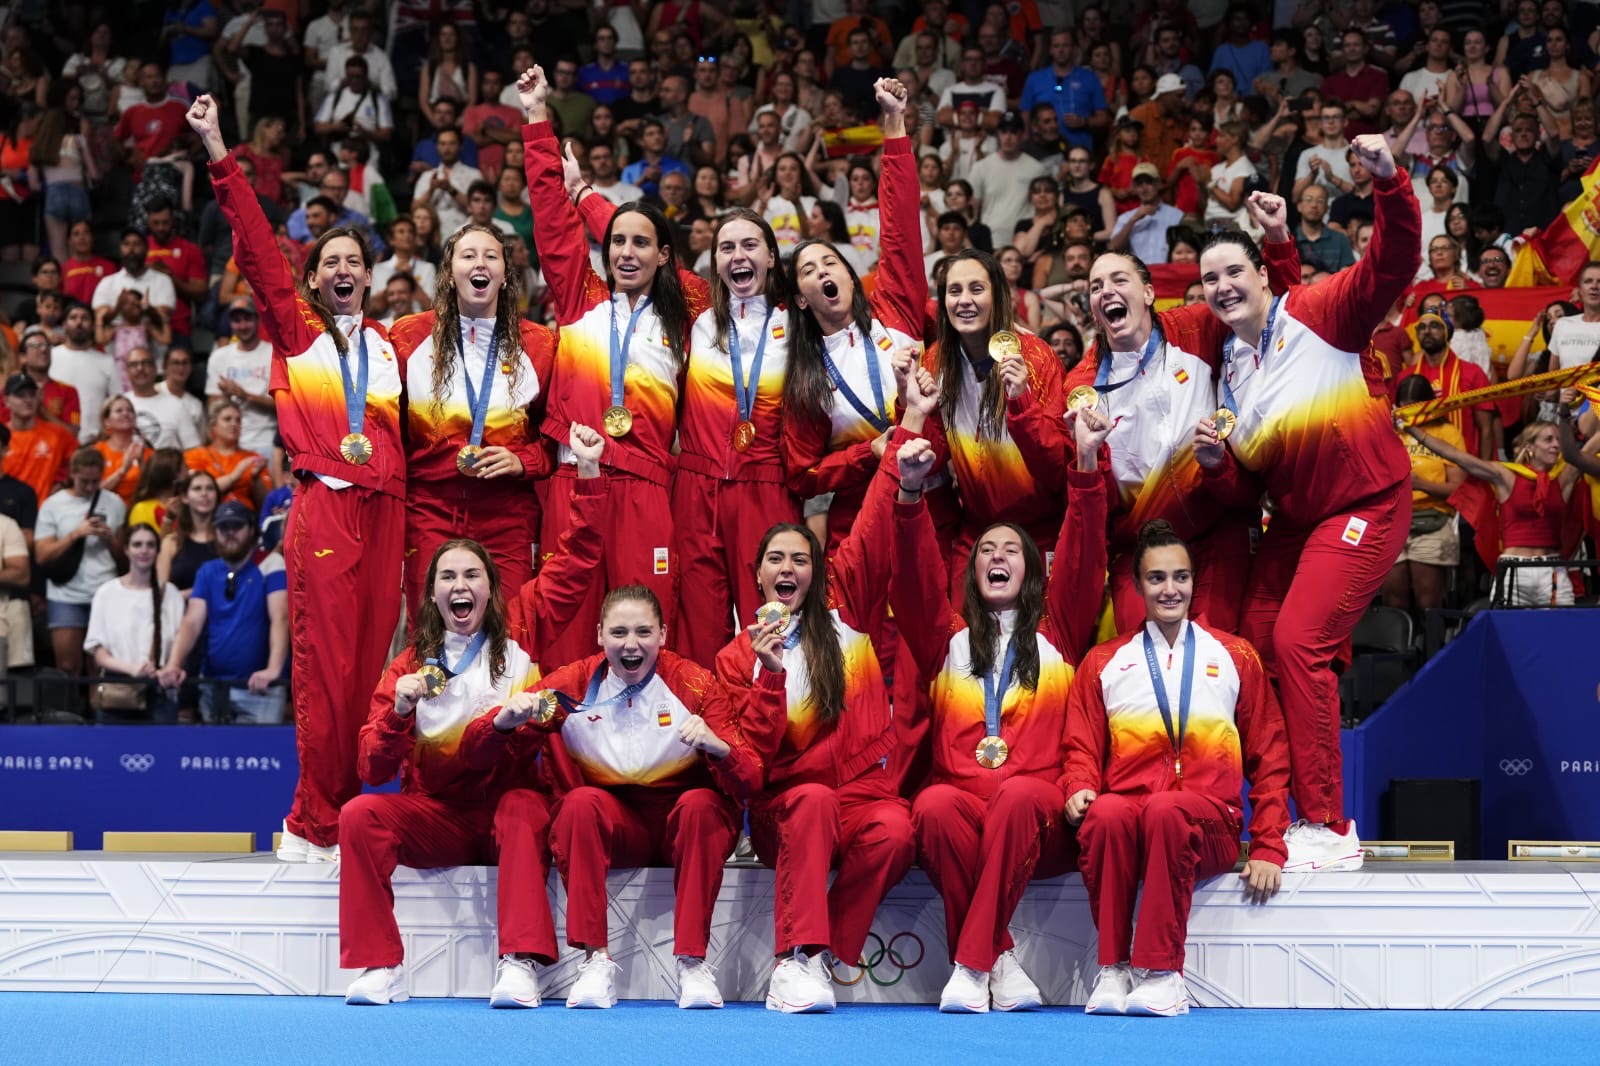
(475, 374)
(337, 386)
(619, 364)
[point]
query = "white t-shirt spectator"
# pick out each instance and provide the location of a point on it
(252, 370)
(16, 620)
(58, 517)
(1337, 163)
(156, 287)
(1422, 83)
(620, 193)
(121, 621)
(989, 95)
(1225, 174)
(1573, 342)
(379, 69)
(370, 110)
(960, 154)
(420, 269)
(94, 374)
(451, 214)
(1000, 186)
(165, 421)
(793, 123)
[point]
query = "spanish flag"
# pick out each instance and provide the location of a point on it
(1170, 280)
(1557, 254)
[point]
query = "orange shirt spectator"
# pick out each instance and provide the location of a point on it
(39, 450)
(241, 475)
(839, 39)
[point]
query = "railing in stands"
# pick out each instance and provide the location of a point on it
(49, 697)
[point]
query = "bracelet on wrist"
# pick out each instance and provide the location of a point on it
(910, 492)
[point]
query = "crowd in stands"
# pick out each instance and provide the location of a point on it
(143, 489)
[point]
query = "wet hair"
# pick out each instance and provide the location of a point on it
(983, 628)
(777, 287)
(447, 317)
(666, 291)
(313, 298)
(427, 639)
(1157, 533)
(807, 391)
(1139, 266)
(1251, 250)
(819, 641)
(953, 367)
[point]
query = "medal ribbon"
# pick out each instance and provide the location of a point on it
(1228, 400)
(478, 402)
(619, 349)
(1103, 376)
(590, 698)
(745, 391)
(1160, 686)
(467, 657)
(355, 393)
(879, 414)
(994, 690)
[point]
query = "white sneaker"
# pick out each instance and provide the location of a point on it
(1010, 987)
(1159, 994)
(515, 983)
(795, 988)
(1315, 848)
(967, 992)
(377, 986)
(821, 967)
(697, 984)
(596, 985)
(1111, 988)
(291, 846)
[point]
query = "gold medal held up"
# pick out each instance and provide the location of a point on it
(1004, 344)
(1224, 420)
(356, 449)
(546, 708)
(1084, 396)
(434, 679)
(467, 459)
(992, 752)
(618, 420)
(772, 611)
(744, 435)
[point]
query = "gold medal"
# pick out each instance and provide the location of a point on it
(1004, 344)
(618, 420)
(356, 448)
(545, 709)
(1224, 420)
(1081, 397)
(992, 752)
(744, 434)
(773, 611)
(434, 679)
(467, 459)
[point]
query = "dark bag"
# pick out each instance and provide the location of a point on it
(64, 567)
(1430, 520)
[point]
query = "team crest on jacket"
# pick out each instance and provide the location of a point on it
(663, 714)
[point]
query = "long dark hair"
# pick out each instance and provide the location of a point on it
(447, 317)
(806, 388)
(818, 639)
(953, 367)
(666, 291)
(1157, 533)
(157, 587)
(777, 288)
(983, 628)
(314, 298)
(427, 639)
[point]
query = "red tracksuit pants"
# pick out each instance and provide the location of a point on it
(692, 831)
(503, 516)
(1308, 589)
(862, 829)
(1170, 840)
(1221, 560)
(638, 542)
(380, 831)
(717, 526)
(981, 854)
(342, 555)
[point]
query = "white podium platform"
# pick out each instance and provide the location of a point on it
(1425, 935)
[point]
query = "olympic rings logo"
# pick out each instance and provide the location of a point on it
(1515, 767)
(138, 764)
(895, 954)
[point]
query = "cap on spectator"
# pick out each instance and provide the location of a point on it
(233, 513)
(242, 303)
(1012, 120)
(1169, 83)
(20, 383)
(1126, 121)
(35, 330)
(1146, 170)
(967, 104)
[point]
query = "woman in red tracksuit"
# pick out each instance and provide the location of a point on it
(1338, 478)
(1155, 375)
(650, 767)
(619, 365)
(824, 728)
(337, 385)
(475, 376)
(991, 818)
(1164, 726)
(463, 798)
(839, 394)
(1002, 420)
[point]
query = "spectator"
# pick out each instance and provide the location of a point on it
(181, 261)
(425, 222)
(187, 28)
(154, 287)
(989, 98)
(874, 33)
(238, 613)
(360, 45)
(1356, 204)
(1165, 119)
(1288, 77)
(1326, 163)
(133, 621)
(967, 143)
(571, 106)
(62, 165)
(793, 120)
(726, 113)
(16, 577)
(1362, 88)
(356, 106)
(1065, 340)
(1433, 547)
(958, 198)
(58, 402)
(489, 125)
(444, 188)
(1240, 53)
(605, 79)
(272, 71)
(176, 370)
(646, 172)
(403, 257)
(82, 270)
(1143, 231)
(932, 57)
(122, 450)
(603, 164)
(1450, 376)
(1028, 310)
(192, 541)
(154, 126)
(689, 136)
(397, 299)
(1321, 246)
(241, 373)
(1116, 173)
(240, 474)
(1493, 267)
(1447, 142)
(1575, 339)
(1080, 191)
(512, 211)
(1230, 179)
(449, 73)
(1044, 141)
(1170, 57)
(80, 521)
(89, 370)
(854, 79)
(1000, 182)
(951, 237)
(18, 501)
(641, 101)
(159, 487)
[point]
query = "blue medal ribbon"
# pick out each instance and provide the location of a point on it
(879, 414)
(1165, 706)
(1228, 400)
(355, 393)
(619, 349)
(467, 657)
(1103, 375)
(591, 697)
(994, 691)
(478, 402)
(744, 391)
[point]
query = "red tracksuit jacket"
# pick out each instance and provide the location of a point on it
(546, 605)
